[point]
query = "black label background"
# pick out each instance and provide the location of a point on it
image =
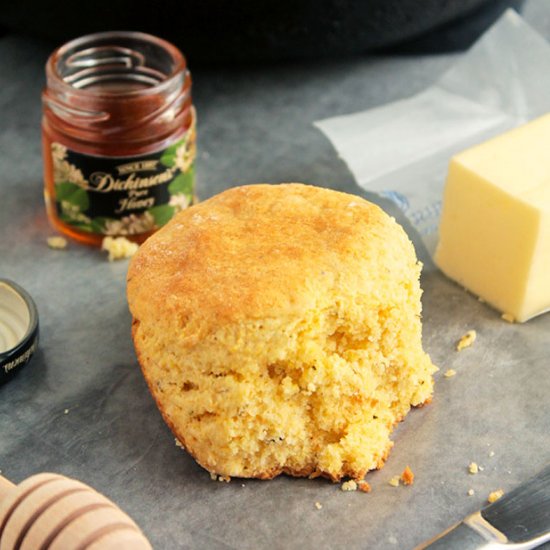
(83, 207)
(106, 204)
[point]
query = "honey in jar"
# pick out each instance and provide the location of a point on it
(119, 136)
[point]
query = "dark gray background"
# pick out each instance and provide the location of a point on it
(255, 125)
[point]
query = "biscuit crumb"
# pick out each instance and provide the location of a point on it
(492, 453)
(119, 248)
(407, 476)
(508, 317)
(178, 443)
(57, 243)
(467, 340)
(495, 495)
(350, 485)
(473, 468)
(318, 505)
(394, 481)
(364, 486)
(471, 492)
(66, 411)
(216, 477)
(481, 468)
(449, 373)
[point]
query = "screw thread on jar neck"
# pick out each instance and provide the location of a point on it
(114, 85)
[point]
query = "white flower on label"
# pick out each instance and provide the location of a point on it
(130, 225)
(185, 154)
(59, 152)
(73, 212)
(180, 201)
(63, 171)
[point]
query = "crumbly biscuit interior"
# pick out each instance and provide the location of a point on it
(314, 395)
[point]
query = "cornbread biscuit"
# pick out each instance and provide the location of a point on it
(278, 328)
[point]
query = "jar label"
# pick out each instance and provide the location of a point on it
(123, 195)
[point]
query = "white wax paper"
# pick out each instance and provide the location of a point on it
(401, 150)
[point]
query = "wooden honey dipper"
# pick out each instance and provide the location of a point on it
(53, 512)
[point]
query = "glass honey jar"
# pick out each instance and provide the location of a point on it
(118, 131)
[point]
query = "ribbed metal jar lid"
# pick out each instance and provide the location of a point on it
(18, 328)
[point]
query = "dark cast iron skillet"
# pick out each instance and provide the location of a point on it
(254, 30)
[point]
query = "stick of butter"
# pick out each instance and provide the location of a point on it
(494, 235)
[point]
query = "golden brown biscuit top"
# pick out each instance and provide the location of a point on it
(263, 251)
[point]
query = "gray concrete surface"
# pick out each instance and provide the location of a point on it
(255, 125)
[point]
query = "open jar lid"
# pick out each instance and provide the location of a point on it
(18, 328)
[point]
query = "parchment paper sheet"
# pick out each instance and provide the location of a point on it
(401, 150)
(257, 126)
